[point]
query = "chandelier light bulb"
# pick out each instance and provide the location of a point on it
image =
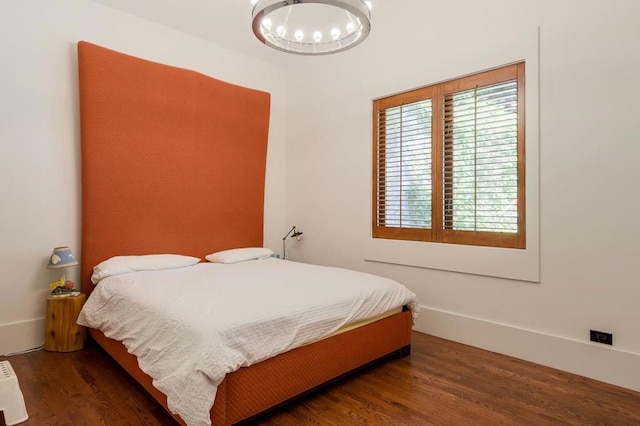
(351, 27)
(281, 31)
(299, 35)
(317, 36)
(335, 34)
(266, 22)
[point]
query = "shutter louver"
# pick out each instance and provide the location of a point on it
(404, 166)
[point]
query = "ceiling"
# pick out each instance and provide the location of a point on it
(224, 22)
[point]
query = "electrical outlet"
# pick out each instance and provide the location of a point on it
(601, 337)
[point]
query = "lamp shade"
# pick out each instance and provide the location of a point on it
(61, 257)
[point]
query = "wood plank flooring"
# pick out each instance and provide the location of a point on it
(441, 383)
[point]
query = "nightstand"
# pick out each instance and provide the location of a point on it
(63, 334)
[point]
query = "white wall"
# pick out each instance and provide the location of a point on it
(589, 63)
(40, 146)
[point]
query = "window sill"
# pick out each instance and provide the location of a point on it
(515, 264)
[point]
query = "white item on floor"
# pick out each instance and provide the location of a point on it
(11, 399)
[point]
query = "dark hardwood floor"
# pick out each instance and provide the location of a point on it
(441, 383)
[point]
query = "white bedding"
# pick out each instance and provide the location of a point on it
(191, 326)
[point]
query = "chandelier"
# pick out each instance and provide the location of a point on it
(311, 27)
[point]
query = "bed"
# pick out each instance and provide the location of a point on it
(174, 161)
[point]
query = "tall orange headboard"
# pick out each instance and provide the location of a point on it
(173, 161)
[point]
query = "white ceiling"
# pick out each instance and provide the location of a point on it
(224, 22)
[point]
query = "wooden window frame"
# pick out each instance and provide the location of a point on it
(437, 93)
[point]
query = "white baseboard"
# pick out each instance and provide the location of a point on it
(593, 360)
(21, 336)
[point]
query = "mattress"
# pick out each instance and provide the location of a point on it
(189, 327)
(362, 323)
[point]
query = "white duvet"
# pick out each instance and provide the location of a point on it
(191, 326)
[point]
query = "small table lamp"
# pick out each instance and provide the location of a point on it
(60, 258)
(294, 234)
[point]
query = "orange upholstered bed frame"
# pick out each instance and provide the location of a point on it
(174, 161)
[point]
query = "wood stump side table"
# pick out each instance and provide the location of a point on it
(63, 334)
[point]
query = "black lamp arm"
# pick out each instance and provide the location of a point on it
(293, 229)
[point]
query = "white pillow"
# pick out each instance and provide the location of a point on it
(239, 255)
(123, 264)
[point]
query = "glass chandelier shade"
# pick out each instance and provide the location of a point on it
(311, 27)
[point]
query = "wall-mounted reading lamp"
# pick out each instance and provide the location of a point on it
(294, 234)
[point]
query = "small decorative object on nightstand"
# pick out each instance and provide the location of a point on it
(63, 333)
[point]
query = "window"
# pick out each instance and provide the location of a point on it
(449, 161)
